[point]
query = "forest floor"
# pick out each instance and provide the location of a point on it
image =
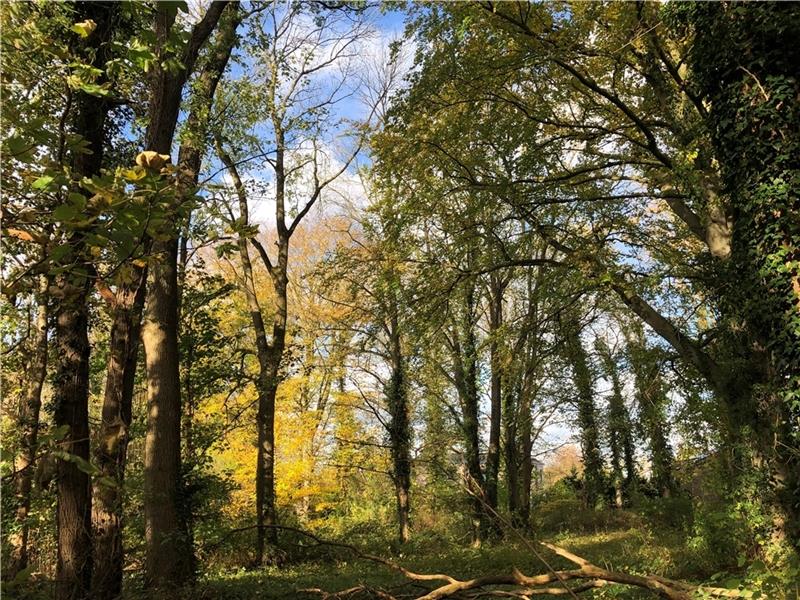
(634, 550)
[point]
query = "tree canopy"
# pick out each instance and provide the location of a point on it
(434, 300)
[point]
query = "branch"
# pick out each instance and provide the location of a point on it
(522, 585)
(200, 34)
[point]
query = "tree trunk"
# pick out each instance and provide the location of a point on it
(619, 434)
(71, 399)
(262, 345)
(497, 287)
(752, 90)
(465, 363)
(526, 463)
(169, 552)
(652, 400)
(399, 429)
(511, 451)
(71, 392)
(28, 424)
(265, 468)
(169, 555)
(587, 418)
(266, 406)
(112, 449)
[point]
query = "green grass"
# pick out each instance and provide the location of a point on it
(633, 550)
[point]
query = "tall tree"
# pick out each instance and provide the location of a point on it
(497, 285)
(71, 377)
(752, 87)
(169, 557)
(292, 114)
(399, 424)
(587, 412)
(620, 439)
(462, 343)
(28, 420)
(652, 398)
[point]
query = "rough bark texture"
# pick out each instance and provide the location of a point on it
(71, 380)
(169, 552)
(71, 399)
(112, 448)
(28, 423)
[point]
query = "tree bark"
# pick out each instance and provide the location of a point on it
(169, 553)
(399, 427)
(71, 399)
(71, 390)
(112, 449)
(587, 417)
(262, 345)
(496, 289)
(266, 405)
(465, 363)
(511, 454)
(270, 354)
(526, 463)
(28, 423)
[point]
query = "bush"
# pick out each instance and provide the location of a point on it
(673, 513)
(565, 514)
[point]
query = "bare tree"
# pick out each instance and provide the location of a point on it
(305, 67)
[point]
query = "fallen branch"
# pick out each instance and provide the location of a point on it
(521, 586)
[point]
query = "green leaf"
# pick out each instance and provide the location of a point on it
(77, 200)
(65, 212)
(58, 253)
(42, 182)
(84, 28)
(93, 89)
(108, 482)
(83, 465)
(18, 147)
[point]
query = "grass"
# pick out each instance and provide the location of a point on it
(636, 550)
(623, 540)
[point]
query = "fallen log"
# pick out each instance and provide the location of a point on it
(586, 577)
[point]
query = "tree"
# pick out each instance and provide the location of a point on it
(652, 399)
(749, 87)
(28, 420)
(371, 273)
(292, 106)
(587, 413)
(71, 377)
(619, 428)
(169, 557)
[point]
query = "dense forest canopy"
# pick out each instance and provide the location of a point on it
(331, 299)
